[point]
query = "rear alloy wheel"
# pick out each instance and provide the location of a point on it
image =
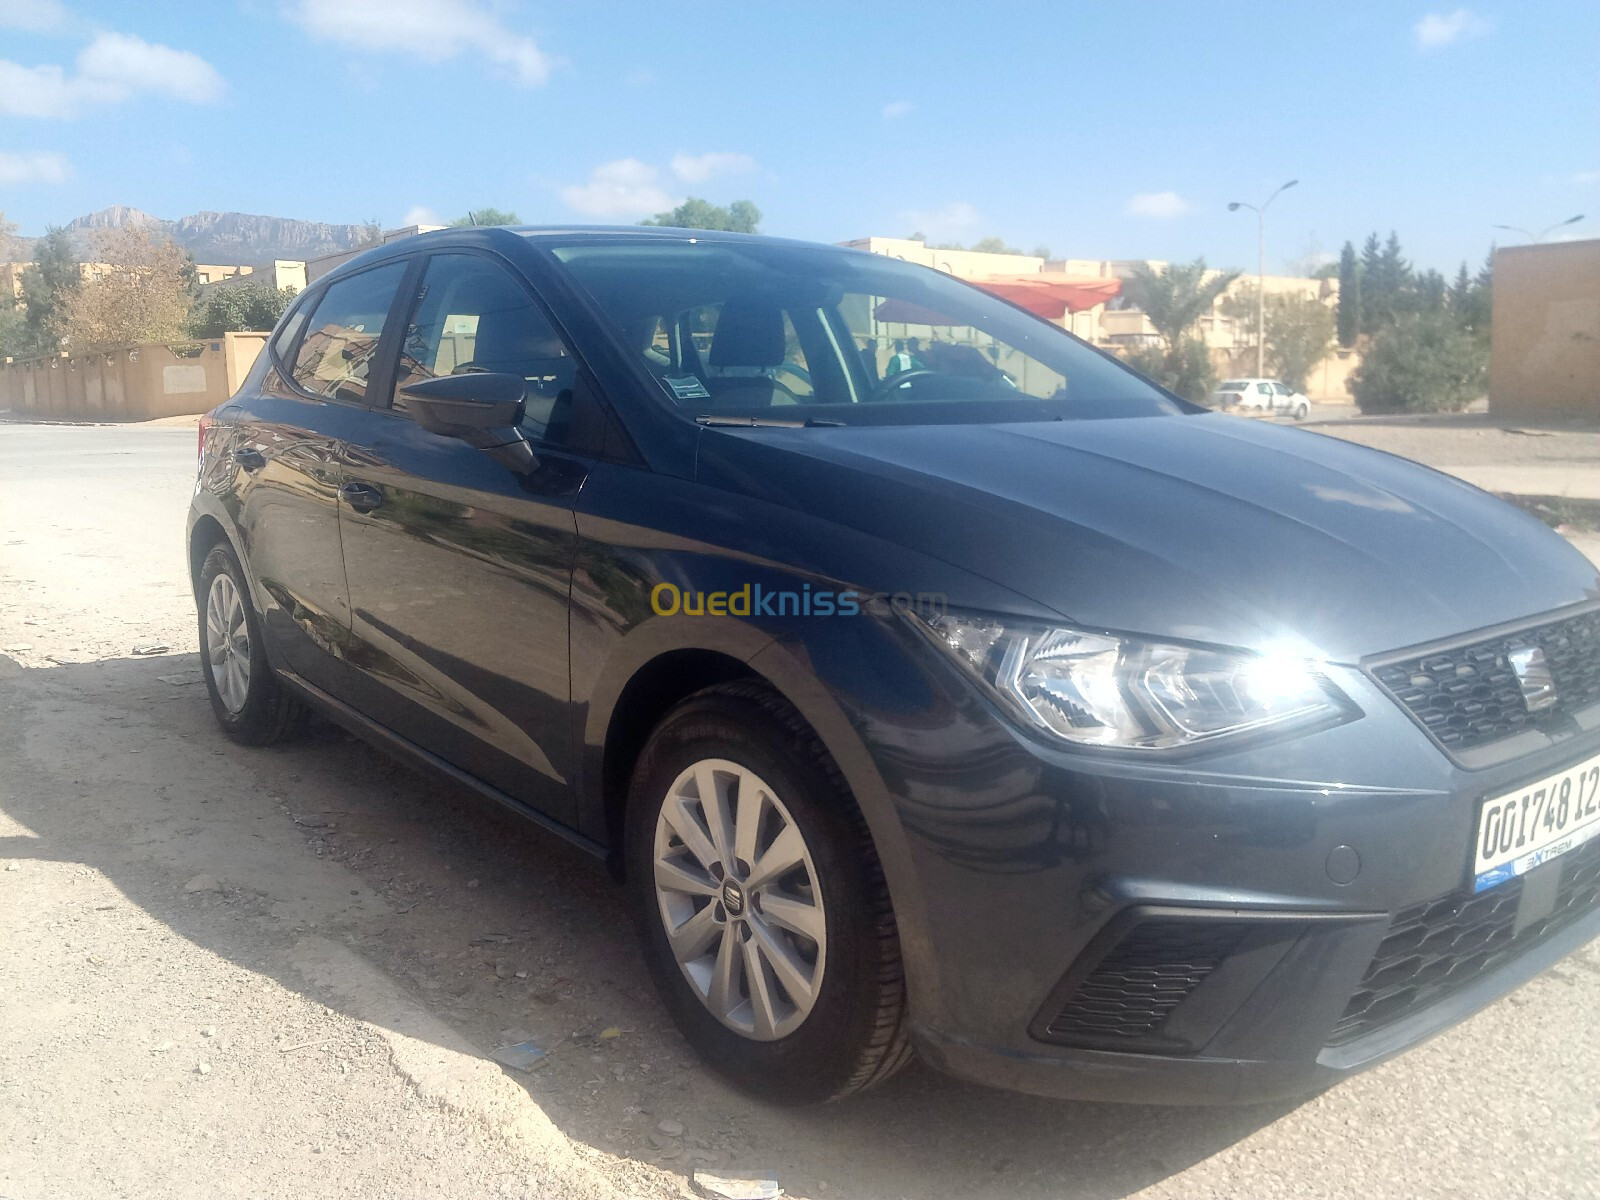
(248, 701)
(762, 909)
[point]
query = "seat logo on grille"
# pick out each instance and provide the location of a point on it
(1533, 675)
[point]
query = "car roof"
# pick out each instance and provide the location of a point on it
(588, 234)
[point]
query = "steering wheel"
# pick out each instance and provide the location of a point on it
(891, 382)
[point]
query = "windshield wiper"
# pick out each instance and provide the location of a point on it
(764, 422)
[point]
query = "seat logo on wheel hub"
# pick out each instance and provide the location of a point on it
(732, 898)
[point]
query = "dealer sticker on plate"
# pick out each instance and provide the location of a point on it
(1539, 821)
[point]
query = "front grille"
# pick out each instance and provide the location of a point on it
(1150, 972)
(1437, 948)
(1470, 696)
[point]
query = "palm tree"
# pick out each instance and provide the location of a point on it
(1176, 298)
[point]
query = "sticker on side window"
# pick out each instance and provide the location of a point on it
(686, 387)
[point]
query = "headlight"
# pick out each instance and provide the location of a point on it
(1094, 689)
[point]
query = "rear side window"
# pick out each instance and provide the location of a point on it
(342, 335)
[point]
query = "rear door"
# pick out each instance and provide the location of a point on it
(459, 567)
(286, 454)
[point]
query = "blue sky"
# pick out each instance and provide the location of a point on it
(1100, 130)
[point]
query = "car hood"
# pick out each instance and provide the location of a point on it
(1204, 527)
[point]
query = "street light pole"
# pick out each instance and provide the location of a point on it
(1261, 271)
(1543, 233)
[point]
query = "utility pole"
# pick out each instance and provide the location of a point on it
(1261, 272)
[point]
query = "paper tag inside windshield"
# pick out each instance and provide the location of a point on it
(687, 387)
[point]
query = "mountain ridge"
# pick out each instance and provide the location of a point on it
(224, 238)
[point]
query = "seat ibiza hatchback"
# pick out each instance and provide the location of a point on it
(987, 703)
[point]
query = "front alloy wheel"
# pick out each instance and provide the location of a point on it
(761, 906)
(738, 896)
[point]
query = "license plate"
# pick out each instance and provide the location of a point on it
(1539, 821)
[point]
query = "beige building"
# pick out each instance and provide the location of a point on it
(1545, 354)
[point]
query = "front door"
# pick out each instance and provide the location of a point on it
(459, 567)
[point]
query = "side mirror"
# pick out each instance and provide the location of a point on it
(464, 405)
(482, 408)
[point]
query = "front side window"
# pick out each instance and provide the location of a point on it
(800, 333)
(473, 315)
(342, 335)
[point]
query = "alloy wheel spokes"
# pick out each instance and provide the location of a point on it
(740, 900)
(228, 643)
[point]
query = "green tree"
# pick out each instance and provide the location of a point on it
(1472, 299)
(994, 245)
(48, 288)
(1349, 318)
(234, 307)
(1299, 332)
(1173, 300)
(1186, 369)
(488, 216)
(1421, 362)
(694, 213)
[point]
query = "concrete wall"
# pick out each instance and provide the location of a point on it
(1545, 358)
(138, 383)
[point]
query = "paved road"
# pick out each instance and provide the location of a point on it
(367, 929)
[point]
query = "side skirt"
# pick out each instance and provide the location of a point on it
(413, 755)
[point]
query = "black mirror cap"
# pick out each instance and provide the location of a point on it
(454, 405)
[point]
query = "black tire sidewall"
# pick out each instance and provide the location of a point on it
(816, 1061)
(253, 722)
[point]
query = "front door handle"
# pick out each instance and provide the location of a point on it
(250, 460)
(361, 497)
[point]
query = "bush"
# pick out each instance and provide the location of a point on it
(234, 307)
(1421, 362)
(1186, 369)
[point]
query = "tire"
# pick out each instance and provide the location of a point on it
(249, 702)
(1302, 411)
(853, 1033)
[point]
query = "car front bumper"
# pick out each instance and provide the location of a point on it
(1228, 929)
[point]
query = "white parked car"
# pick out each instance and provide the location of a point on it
(1267, 395)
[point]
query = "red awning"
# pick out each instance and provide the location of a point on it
(1051, 296)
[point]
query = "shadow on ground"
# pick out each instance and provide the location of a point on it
(499, 929)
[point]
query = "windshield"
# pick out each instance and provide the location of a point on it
(736, 329)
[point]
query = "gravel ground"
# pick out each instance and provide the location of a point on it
(358, 935)
(1472, 441)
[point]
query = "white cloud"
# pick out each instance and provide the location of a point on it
(420, 214)
(1160, 205)
(120, 65)
(32, 168)
(698, 168)
(1445, 29)
(433, 30)
(624, 190)
(949, 223)
(111, 69)
(34, 16)
(896, 109)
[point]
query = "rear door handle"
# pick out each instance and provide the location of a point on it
(250, 460)
(361, 497)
